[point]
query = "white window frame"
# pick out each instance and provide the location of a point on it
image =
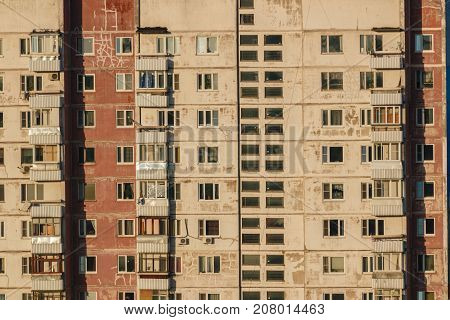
(2, 230)
(125, 117)
(87, 295)
(82, 113)
(80, 51)
(82, 226)
(365, 230)
(328, 260)
(121, 228)
(211, 115)
(209, 265)
(206, 151)
(422, 227)
(121, 150)
(121, 295)
(121, 82)
(330, 184)
(422, 268)
(341, 228)
(119, 46)
(202, 194)
(163, 46)
(326, 122)
(369, 262)
(201, 83)
(119, 257)
(366, 154)
(365, 117)
(82, 265)
(420, 190)
(121, 196)
(83, 76)
(418, 43)
(326, 155)
(367, 189)
(420, 79)
(420, 153)
(422, 112)
(381, 148)
(203, 45)
(2, 83)
(327, 51)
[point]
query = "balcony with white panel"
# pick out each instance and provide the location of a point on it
(152, 208)
(45, 136)
(387, 136)
(47, 283)
(153, 284)
(151, 170)
(388, 280)
(45, 64)
(46, 172)
(46, 245)
(43, 210)
(151, 100)
(387, 170)
(388, 245)
(151, 136)
(387, 61)
(151, 63)
(45, 101)
(387, 207)
(386, 97)
(152, 243)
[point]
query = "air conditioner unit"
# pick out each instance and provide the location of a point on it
(183, 241)
(24, 169)
(53, 76)
(209, 241)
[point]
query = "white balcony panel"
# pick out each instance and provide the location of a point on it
(40, 101)
(152, 244)
(388, 283)
(45, 64)
(153, 63)
(42, 283)
(151, 100)
(47, 211)
(149, 170)
(153, 284)
(151, 137)
(387, 207)
(45, 136)
(387, 170)
(46, 245)
(386, 62)
(388, 245)
(46, 172)
(380, 98)
(153, 208)
(387, 136)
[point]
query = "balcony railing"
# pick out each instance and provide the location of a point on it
(47, 283)
(151, 63)
(46, 172)
(386, 98)
(387, 61)
(152, 244)
(387, 170)
(387, 136)
(153, 284)
(151, 136)
(387, 207)
(153, 208)
(388, 245)
(148, 170)
(39, 210)
(45, 136)
(387, 280)
(46, 245)
(151, 100)
(45, 64)
(39, 101)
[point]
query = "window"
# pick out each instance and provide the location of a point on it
(43, 227)
(273, 40)
(86, 191)
(274, 275)
(425, 295)
(168, 118)
(26, 156)
(124, 46)
(333, 228)
(250, 165)
(274, 260)
(173, 81)
(274, 186)
(424, 189)
(208, 228)
(86, 82)
(152, 80)
(26, 229)
(126, 264)
(85, 46)
(125, 227)
(153, 263)
(271, 129)
(250, 223)
(46, 154)
(25, 119)
(372, 227)
(125, 155)
(87, 228)
(424, 42)
(26, 265)
(273, 55)
(274, 150)
(249, 92)
(2, 229)
(44, 43)
(249, 76)
(1, 47)
(249, 113)
(386, 115)
(2, 193)
(153, 189)
(247, 55)
(24, 47)
(332, 81)
(424, 116)
(30, 83)
(333, 264)
(333, 296)
(250, 260)
(388, 188)
(333, 191)
(332, 154)
(175, 263)
(41, 118)
(370, 43)
(168, 45)
(249, 149)
(424, 79)
(251, 295)
(366, 190)
(370, 80)
(247, 19)
(87, 295)
(87, 264)
(274, 202)
(250, 275)
(31, 192)
(274, 165)
(208, 118)
(274, 223)
(125, 191)
(388, 262)
(86, 155)
(152, 153)
(425, 263)
(208, 296)
(248, 40)
(273, 92)
(425, 227)
(1, 84)
(274, 238)
(26, 296)
(124, 82)
(206, 45)
(331, 118)
(2, 267)
(208, 191)
(386, 151)
(366, 154)
(208, 154)
(246, 4)
(250, 238)
(365, 117)
(250, 186)
(331, 44)
(175, 191)
(424, 153)
(207, 82)
(367, 264)
(209, 264)
(2, 156)
(367, 296)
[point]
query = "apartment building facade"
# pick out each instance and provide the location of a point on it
(232, 149)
